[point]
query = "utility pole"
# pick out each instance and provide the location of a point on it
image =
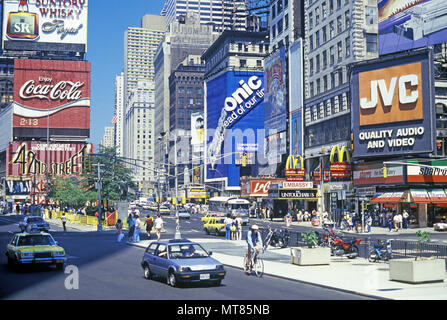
(99, 165)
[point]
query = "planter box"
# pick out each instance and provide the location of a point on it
(412, 271)
(310, 256)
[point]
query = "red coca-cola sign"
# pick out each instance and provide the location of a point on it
(260, 187)
(58, 91)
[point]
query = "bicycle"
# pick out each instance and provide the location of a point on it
(256, 263)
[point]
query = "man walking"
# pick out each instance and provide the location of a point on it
(64, 221)
(405, 217)
(158, 224)
(131, 224)
(137, 228)
(228, 222)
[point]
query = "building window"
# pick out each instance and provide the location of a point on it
(371, 16)
(279, 6)
(371, 42)
(258, 63)
(340, 50)
(340, 76)
(311, 21)
(243, 63)
(339, 25)
(323, 10)
(273, 33)
(332, 55)
(312, 89)
(331, 6)
(318, 86)
(311, 66)
(325, 86)
(324, 59)
(286, 3)
(181, 89)
(317, 61)
(338, 4)
(189, 90)
(347, 19)
(181, 101)
(286, 21)
(311, 42)
(274, 11)
(331, 29)
(317, 38)
(333, 80)
(348, 46)
(323, 31)
(317, 16)
(280, 27)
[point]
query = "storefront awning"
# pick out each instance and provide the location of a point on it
(437, 196)
(420, 196)
(388, 197)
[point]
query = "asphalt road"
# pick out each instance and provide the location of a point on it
(111, 271)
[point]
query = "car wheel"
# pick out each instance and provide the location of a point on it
(147, 272)
(216, 232)
(217, 283)
(207, 231)
(171, 279)
(59, 266)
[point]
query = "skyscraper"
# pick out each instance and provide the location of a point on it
(119, 113)
(223, 14)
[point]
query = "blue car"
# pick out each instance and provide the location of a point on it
(181, 261)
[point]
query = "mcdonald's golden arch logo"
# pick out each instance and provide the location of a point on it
(341, 154)
(292, 163)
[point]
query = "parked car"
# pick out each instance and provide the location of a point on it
(32, 223)
(215, 226)
(33, 249)
(440, 226)
(181, 261)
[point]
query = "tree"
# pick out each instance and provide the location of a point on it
(70, 191)
(115, 177)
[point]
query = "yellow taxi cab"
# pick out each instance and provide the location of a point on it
(215, 225)
(208, 216)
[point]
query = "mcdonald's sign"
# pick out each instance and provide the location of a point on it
(293, 172)
(340, 167)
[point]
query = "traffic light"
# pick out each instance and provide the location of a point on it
(384, 172)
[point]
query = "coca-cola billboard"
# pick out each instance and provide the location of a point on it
(51, 94)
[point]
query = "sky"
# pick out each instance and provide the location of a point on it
(108, 20)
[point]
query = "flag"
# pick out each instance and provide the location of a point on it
(115, 119)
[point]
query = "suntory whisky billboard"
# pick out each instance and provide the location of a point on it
(37, 25)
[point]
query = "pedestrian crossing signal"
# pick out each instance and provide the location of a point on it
(384, 172)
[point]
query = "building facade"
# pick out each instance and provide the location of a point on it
(222, 14)
(337, 33)
(108, 137)
(120, 114)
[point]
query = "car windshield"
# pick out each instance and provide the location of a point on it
(33, 220)
(187, 251)
(36, 240)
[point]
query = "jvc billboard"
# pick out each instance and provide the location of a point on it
(393, 105)
(234, 117)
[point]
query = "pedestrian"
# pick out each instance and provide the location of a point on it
(405, 217)
(233, 229)
(272, 213)
(18, 208)
(264, 213)
(396, 222)
(228, 222)
(149, 223)
(267, 212)
(369, 223)
(287, 219)
(64, 221)
(239, 227)
(158, 224)
(137, 228)
(119, 230)
(131, 224)
(401, 219)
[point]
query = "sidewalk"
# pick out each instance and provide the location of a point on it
(75, 226)
(356, 276)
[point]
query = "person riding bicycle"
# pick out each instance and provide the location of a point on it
(254, 241)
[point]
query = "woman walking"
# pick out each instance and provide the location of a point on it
(119, 230)
(149, 223)
(239, 227)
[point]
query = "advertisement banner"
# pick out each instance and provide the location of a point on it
(372, 174)
(410, 24)
(18, 188)
(29, 160)
(392, 111)
(275, 92)
(296, 97)
(197, 131)
(32, 24)
(234, 119)
(305, 194)
(261, 187)
(296, 132)
(53, 94)
(436, 172)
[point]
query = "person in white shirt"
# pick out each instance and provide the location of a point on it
(239, 227)
(158, 225)
(228, 221)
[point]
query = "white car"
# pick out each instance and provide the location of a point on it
(440, 226)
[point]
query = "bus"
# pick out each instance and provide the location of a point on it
(230, 205)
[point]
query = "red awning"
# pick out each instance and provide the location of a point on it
(388, 197)
(437, 195)
(420, 196)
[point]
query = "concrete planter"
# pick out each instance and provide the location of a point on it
(310, 256)
(420, 271)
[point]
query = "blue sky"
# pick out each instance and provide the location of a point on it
(108, 21)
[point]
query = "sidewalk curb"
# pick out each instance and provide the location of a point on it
(297, 281)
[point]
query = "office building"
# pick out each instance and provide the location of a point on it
(120, 114)
(108, 137)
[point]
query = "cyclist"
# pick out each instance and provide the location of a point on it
(254, 241)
